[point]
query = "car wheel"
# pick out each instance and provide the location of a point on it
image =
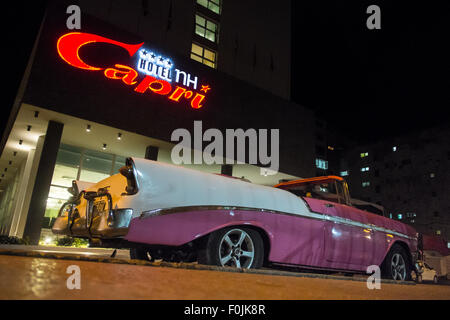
(238, 247)
(141, 253)
(396, 264)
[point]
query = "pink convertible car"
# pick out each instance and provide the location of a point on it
(162, 211)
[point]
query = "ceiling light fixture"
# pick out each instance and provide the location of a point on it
(104, 146)
(119, 136)
(88, 128)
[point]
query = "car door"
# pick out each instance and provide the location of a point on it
(350, 242)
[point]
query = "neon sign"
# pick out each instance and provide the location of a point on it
(160, 75)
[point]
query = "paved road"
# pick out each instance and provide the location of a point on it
(28, 277)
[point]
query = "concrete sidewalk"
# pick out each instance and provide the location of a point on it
(92, 252)
(45, 278)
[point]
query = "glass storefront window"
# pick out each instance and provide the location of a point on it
(119, 163)
(58, 192)
(53, 205)
(96, 166)
(63, 175)
(69, 155)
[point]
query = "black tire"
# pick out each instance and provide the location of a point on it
(396, 265)
(141, 253)
(247, 253)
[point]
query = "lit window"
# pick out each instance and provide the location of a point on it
(432, 175)
(364, 154)
(448, 245)
(344, 173)
(366, 184)
(330, 148)
(394, 148)
(364, 169)
(438, 232)
(399, 216)
(205, 28)
(213, 5)
(322, 164)
(203, 55)
(390, 215)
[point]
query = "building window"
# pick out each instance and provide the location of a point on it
(394, 148)
(399, 216)
(365, 169)
(344, 173)
(322, 164)
(432, 175)
(366, 184)
(364, 154)
(213, 5)
(206, 28)
(438, 232)
(203, 55)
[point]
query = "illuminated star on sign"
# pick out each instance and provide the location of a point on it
(167, 64)
(205, 88)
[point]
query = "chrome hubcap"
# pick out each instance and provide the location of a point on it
(398, 267)
(236, 249)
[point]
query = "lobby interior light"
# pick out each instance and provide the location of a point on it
(104, 146)
(88, 128)
(119, 136)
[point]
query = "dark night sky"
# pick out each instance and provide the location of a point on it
(368, 83)
(373, 83)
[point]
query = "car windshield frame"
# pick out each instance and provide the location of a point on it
(328, 188)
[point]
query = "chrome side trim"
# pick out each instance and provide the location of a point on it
(310, 215)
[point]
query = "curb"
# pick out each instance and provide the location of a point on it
(190, 266)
